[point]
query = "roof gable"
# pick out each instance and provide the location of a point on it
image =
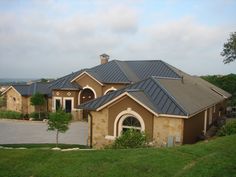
(85, 73)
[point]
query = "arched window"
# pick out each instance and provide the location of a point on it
(130, 122)
(112, 89)
(128, 119)
(86, 95)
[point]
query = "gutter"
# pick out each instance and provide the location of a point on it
(91, 130)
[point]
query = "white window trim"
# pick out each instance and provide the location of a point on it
(214, 108)
(110, 89)
(54, 102)
(86, 73)
(121, 117)
(72, 102)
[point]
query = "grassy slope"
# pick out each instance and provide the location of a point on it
(215, 158)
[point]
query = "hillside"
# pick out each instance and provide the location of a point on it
(214, 158)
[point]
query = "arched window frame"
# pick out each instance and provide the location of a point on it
(110, 89)
(87, 87)
(118, 123)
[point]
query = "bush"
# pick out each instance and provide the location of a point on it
(130, 139)
(10, 115)
(35, 115)
(228, 129)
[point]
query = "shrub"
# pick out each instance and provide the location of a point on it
(35, 115)
(59, 121)
(228, 129)
(10, 115)
(130, 139)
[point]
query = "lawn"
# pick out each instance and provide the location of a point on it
(214, 158)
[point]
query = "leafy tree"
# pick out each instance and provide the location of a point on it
(59, 121)
(227, 83)
(229, 50)
(228, 129)
(38, 100)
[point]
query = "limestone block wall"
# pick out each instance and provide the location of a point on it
(14, 101)
(100, 129)
(164, 127)
(31, 108)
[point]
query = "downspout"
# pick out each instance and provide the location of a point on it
(91, 130)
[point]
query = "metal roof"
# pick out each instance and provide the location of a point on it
(65, 82)
(117, 71)
(149, 92)
(174, 96)
(28, 90)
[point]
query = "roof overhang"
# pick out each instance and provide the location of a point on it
(86, 73)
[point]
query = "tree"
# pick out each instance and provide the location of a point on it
(59, 121)
(226, 82)
(38, 100)
(229, 50)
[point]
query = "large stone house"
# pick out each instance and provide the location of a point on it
(18, 97)
(171, 106)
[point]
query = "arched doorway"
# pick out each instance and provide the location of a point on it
(86, 95)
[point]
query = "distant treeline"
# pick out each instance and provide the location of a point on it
(226, 82)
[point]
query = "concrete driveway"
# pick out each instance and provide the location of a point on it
(19, 132)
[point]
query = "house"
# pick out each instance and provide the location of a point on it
(148, 95)
(18, 97)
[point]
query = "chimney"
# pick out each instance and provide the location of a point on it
(104, 58)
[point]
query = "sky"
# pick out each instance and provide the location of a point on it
(52, 38)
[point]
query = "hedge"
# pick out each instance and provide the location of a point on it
(10, 115)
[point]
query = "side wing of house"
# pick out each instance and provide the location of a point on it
(170, 112)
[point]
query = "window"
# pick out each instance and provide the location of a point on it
(68, 106)
(110, 91)
(214, 109)
(58, 104)
(131, 122)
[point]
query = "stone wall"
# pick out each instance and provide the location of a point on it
(100, 129)
(164, 127)
(14, 101)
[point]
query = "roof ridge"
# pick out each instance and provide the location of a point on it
(170, 95)
(168, 66)
(118, 63)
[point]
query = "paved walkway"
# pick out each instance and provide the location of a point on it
(19, 132)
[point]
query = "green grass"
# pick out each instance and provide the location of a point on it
(213, 158)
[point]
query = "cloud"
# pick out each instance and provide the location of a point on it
(50, 39)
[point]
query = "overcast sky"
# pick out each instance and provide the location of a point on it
(51, 38)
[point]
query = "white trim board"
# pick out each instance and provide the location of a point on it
(88, 75)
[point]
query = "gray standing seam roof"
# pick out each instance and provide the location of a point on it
(149, 92)
(117, 71)
(28, 90)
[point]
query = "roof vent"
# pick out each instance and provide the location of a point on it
(104, 58)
